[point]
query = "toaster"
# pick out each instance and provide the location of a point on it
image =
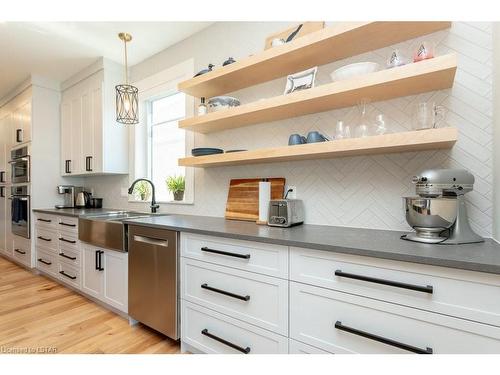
(285, 212)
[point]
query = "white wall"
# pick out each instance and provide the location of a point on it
(360, 191)
(496, 128)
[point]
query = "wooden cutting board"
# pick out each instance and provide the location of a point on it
(243, 197)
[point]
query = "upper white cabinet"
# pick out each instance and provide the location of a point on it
(92, 142)
(5, 128)
(21, 124)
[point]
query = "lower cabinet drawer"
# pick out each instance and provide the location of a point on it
(67, 224)
(343, 323)
(22, 250)
(46, 238)
(69, 255)
(297, 347)
(69, 274)
(256, 299)
(212, 332)
(46, 261)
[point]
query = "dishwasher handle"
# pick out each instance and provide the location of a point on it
(151, 240)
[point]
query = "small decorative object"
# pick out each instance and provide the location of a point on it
(127, 96)
(362, 129)
(380, 125)
(396, 59)
(354, 70)
(222, 102)
(296, 139)
(204, 71)
(342, 130)
(142, 190)
(292, 33)
(315, 137)
(300, 81)
(277, 42)
(202, 108)
(230, 60)
(424, 51)
(428, 116)
(176, 185)
(202, 151)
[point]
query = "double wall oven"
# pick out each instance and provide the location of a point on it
(20, 191)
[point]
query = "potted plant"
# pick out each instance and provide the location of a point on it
(176, 185)
(143, 190)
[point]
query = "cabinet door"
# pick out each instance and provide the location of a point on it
(66, 132)
(3, 221)
(115, 266)
(92, 127)
(92, 276)
(4, 148)
(77, 167)
(21, 121)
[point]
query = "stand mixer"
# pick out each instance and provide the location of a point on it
(439, 213)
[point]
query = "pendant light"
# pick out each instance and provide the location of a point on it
(127, 96)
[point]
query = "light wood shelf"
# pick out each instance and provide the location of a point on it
(333, 43)
(389, 143)
(428, 75)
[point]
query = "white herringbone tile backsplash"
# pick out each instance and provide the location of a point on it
(360, 191)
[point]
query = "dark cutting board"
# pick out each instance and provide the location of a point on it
(243, 197)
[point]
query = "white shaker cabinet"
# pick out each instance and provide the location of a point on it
(105, 275)
(21, 124)
(92, 142)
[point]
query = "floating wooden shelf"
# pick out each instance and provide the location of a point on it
(330, 44)
(433, 74)
(389, 143)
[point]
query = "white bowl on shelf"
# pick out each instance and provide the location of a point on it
(354, 70)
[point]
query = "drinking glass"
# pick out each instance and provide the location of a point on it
(342, 130)
(363, 124)
(427, 116)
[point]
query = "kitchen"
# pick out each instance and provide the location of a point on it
(262, 197)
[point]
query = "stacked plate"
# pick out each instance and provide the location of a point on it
(202, 151)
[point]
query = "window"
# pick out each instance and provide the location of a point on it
(167, 142)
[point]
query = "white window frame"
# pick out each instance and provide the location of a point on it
(153, 87)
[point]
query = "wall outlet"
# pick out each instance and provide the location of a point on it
(292, 194)
(124, 192)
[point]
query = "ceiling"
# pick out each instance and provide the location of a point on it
(57, 50)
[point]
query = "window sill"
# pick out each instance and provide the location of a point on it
(181, 203)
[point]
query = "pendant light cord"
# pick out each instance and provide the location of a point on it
(126, 62)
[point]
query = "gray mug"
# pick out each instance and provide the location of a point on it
(296, 139)
(315, 136)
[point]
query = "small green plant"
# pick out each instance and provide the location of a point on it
(142, 190)
(176, 185)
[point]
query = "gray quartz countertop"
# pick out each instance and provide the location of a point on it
(74, 212)
(483, 257)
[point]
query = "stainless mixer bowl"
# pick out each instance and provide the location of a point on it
(430, 213)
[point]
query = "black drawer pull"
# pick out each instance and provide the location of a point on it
(220, 252)
(229, 294)
(45, 220)
(88, 161)
(397, 284)
(67, 225)
(65, 240)
(225, 342)
(68, 276)
(19, 135)
(2, 176)
(20, 251)
(44, 262)
(44, 239)
(67, 256)
(383, 340)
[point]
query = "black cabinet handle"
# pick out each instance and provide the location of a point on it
(229, 294)
(236, 255)
(225, 342)
(65, 240)
(101, 268)
(20, 251)
(2, 191)
(19, 133)
(2, 176)
(45, 220)
(68, 276)
(67, 257)
(397, 284)
(67, 225)
(44, 262)
(67, 166)
(383, 340)
(88, 161)
(44, 239)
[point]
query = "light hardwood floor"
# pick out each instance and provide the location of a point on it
(36, 312)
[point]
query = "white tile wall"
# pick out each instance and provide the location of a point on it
(357, 191)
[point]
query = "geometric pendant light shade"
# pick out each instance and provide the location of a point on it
(127, 96)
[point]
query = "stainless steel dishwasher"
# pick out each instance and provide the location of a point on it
(152, 278)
